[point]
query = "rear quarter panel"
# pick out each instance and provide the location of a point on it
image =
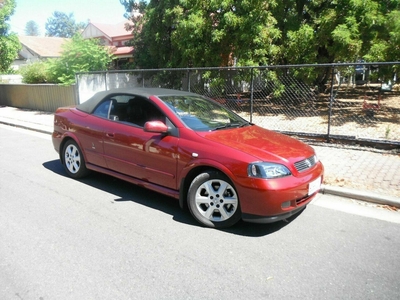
(85, 129)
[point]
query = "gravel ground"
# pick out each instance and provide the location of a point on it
(358, 115)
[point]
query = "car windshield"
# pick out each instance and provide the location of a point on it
(202, 114)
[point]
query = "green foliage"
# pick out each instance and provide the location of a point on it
(9, 43)
(224, 32)
(202, 33)
(63, 25)
(301, 44)
(34, 73)
(133, 6)
(215, 81)
(212, 33)
(79, 55)
(32, 28)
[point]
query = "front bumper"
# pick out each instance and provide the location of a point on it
(271, 219)
(267, 201)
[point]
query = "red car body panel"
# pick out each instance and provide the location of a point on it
(161, 162)
(146, 156)
(261, 197)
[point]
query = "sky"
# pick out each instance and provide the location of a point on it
(98, 11)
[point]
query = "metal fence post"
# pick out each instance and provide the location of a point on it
(105, 80)
(251, 94)
(188, 75)
(331, 99)
(76, 89)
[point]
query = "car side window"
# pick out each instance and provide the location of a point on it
(129, 109)
(139, 111)
(103, 109)
(107, 109)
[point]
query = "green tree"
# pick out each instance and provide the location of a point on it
(203, 33)
(9, 43)
(218, 33)
(62, 25)
(78, 55)
(32, 28)
(151, 52)
(316, 31)
(199, 33)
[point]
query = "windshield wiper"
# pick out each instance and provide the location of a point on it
(230, 125)
(245, 124)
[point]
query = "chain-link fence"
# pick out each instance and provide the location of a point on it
(359, 102)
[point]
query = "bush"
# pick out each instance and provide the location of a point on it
(34, 73)
(78, 55)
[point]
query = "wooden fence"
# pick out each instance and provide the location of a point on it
(42, 97)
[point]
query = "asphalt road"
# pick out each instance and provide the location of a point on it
(101, 238)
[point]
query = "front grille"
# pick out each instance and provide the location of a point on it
(302, 200)
(305, 164)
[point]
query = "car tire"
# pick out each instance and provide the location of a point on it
(213, 200)
(73, 160)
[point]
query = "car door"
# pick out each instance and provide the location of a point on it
(130, 150)
(90, 132)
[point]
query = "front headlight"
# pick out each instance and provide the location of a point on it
(267, 170)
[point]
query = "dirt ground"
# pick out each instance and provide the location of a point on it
(360, 112)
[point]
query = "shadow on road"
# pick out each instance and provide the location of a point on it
(125, 191)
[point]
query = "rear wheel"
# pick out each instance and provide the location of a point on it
(73, 160)
(213, 201)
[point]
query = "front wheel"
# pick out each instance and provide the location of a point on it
(213, 200)
(73, 160)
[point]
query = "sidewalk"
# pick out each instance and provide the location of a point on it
(357, 173)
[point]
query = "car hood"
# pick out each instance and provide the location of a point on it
(263, 144)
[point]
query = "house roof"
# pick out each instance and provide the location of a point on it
(110, 31)
(126, 50)
(43, 46)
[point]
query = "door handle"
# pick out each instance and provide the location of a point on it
(110, 135)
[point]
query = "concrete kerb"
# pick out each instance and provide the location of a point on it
(28, 126)
(361, 195)
(331, 190)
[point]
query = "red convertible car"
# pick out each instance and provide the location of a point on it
(189, 147)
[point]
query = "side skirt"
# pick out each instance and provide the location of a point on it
(147, 185)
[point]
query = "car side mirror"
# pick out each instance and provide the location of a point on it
(156, 127)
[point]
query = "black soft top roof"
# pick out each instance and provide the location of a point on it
(89, 105)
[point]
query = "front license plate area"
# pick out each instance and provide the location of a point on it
(314, 186)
